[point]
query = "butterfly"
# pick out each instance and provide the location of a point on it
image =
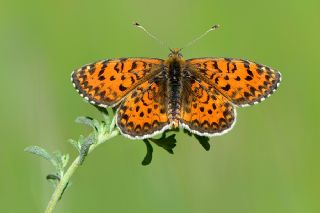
(152, 95)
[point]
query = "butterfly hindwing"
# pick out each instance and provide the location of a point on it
(143, 113)
(205, 111)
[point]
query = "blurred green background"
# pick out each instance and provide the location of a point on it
(269, 162)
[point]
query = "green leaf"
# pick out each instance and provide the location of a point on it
(102, 110)
(204, 141)
(168, 143)
(106, 118)
(60, 161)
(113, 124)
(187, 132)
(75, 144)
(81, 141)
(65, 160)
(148, 158)
(53, 177)
(87, 121)
(39, 151)
(97, 125)
(85, 148)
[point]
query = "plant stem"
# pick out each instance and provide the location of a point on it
(71, 170)
(62, 184)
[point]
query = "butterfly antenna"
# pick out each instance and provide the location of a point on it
(149, 34)
(214, 27)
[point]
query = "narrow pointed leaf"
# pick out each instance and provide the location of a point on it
(75, 144)
(148, 158)
(39, 151)
(85, 149)
(87, 121)
(204, 141)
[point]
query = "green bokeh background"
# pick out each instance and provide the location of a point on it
(269, 162)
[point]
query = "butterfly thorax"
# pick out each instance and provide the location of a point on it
(175, 66)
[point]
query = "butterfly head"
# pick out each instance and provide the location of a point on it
(175, 53)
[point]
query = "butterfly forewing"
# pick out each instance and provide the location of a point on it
(242, 82)
(106, 83)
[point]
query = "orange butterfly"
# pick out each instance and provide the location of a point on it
(153, 95)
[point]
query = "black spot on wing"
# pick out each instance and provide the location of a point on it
(122, 88)
(226, 88)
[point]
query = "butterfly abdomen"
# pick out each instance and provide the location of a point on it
(174, 90)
